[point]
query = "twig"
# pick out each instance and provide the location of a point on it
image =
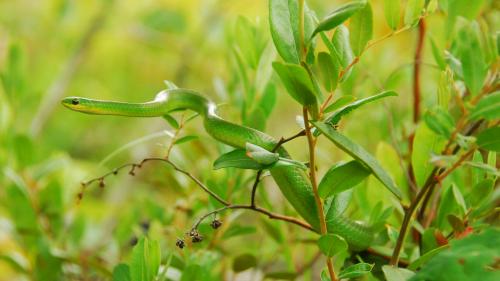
(312, 177)
(60, 84)
(176, 135)
(401, 263)
(139, 165)
(269, 214)
(226, 204)
(436, 176)
(259, 173)
(416, 71)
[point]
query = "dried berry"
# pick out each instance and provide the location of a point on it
(196, 238)
(216, 224)
(180, 243)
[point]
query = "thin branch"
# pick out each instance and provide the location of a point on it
(416, 71)
(139, 165)
(312, 176)
(176, 135)
(61, 83)
(436, 176)
(259, 173)
(269, 214)
(401, 263)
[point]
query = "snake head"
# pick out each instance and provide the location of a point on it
(81, 104)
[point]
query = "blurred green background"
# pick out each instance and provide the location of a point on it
(124, 50)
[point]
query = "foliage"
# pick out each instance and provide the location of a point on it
(389, 109)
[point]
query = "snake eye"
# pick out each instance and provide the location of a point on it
(75, 101)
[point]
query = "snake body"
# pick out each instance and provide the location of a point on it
(292, 181)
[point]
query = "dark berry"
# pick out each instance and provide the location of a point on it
(216, 224)
(180, 243)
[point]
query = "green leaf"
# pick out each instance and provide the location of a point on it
(391, 11)
(338, 16)
(21, 209)
(425, 144)
(396, 274)
(356, 270)
(268, 100)
(437, 54)
(489, 139)
(329, 71)
(298, 85)
(260, 155)
(244, 262)
(342, 177)
(413, 11)
(281, 275)
(237, 159)
(284, 23)
(332, 244)
(445, 88)
(340, 102)
(256, 119)
(334, 119)
(185, 139)
(340, 48)
(361, 28)
(171, 120)
(487, 108)
(121, 272)
(480, 192)
(451, 201)
(360, 154)
(282, 30)
(163, 20)
(245, 35)
(145, 261)
(472, 58)
(440, 121)
(469, 258)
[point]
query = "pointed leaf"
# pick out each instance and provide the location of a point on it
(413, 11)
(356, 270)
(329, 71)
(282, 31)
(340, 102)
(472, 58)
(185, 139)
(338, 16)
(244, 262)
(342, 177)
(425, 144)
(260, 155)
(391, 11)
(360, 154)
(361, 29)
(487, 108)
(440, 121)
(284, 22)
(237, 159)
(332, 244)
(121, 272)
(396, 274)
(334, 119)
(489, 139)
(298, 84)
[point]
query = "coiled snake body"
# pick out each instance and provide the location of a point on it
(292, 181)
